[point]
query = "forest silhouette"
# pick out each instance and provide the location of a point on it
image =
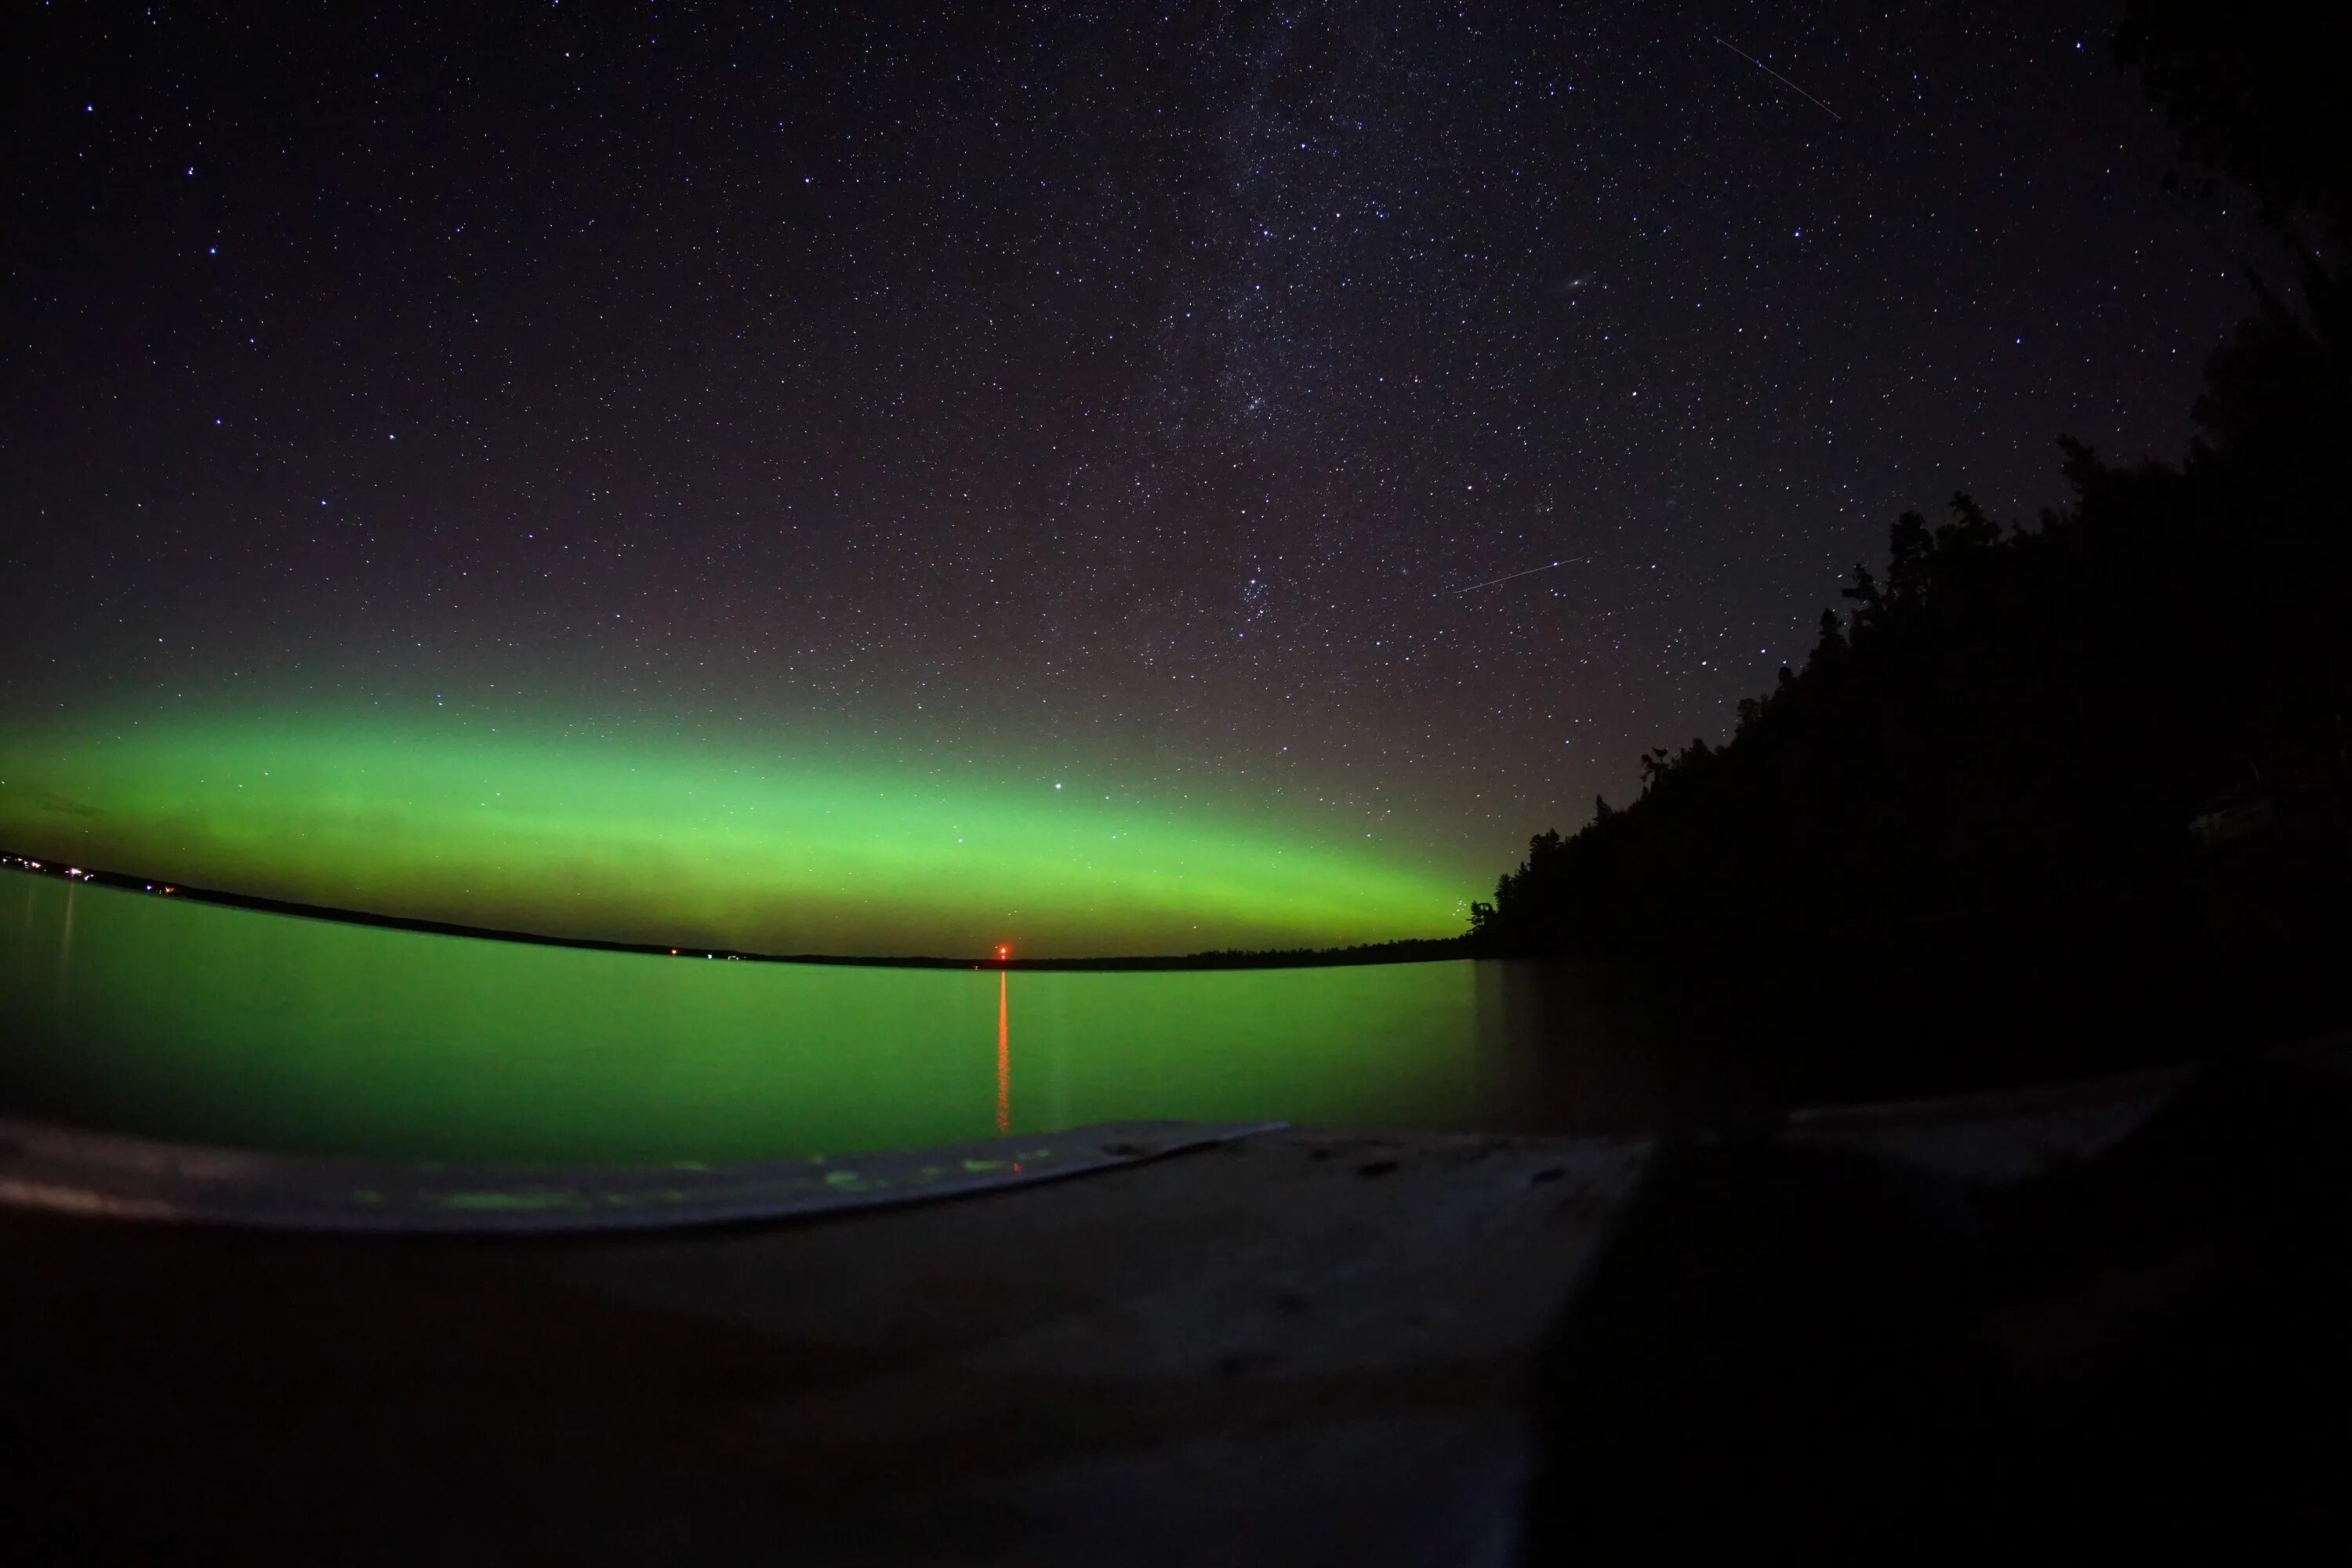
(2054, 795)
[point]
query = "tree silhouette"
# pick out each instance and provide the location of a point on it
(1988, 770)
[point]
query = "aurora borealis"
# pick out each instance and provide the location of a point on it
(738, 845)
(670, 475)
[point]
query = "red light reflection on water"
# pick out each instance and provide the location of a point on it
(1003, 1057)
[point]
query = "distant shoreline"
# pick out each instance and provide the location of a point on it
(1410, 950)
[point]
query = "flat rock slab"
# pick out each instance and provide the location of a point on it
(1287, 1347)
(2000, 1139)
(1290, 1348)
(108, 1176)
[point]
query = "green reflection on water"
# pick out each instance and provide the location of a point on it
(223, 1025)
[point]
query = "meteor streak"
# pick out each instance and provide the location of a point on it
(1528, 573)
(1784, 81)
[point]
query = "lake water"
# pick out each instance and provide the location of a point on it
(190, 1021)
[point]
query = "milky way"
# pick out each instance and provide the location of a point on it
(1056, 387)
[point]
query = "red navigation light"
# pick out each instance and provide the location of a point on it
(1003, 952)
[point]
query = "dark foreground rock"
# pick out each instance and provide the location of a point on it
(1926, 1334)
(2060, 1324)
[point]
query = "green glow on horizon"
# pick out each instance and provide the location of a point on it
(673, 841)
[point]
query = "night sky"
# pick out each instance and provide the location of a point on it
(1104, 402)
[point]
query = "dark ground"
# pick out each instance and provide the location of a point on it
(1802, 1349)
(2087, 1322)
(1294, 1348)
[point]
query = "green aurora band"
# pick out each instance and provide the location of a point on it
(688, 842)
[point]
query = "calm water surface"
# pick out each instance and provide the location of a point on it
(190, 1021)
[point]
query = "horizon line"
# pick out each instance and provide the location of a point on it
(1381, 951)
